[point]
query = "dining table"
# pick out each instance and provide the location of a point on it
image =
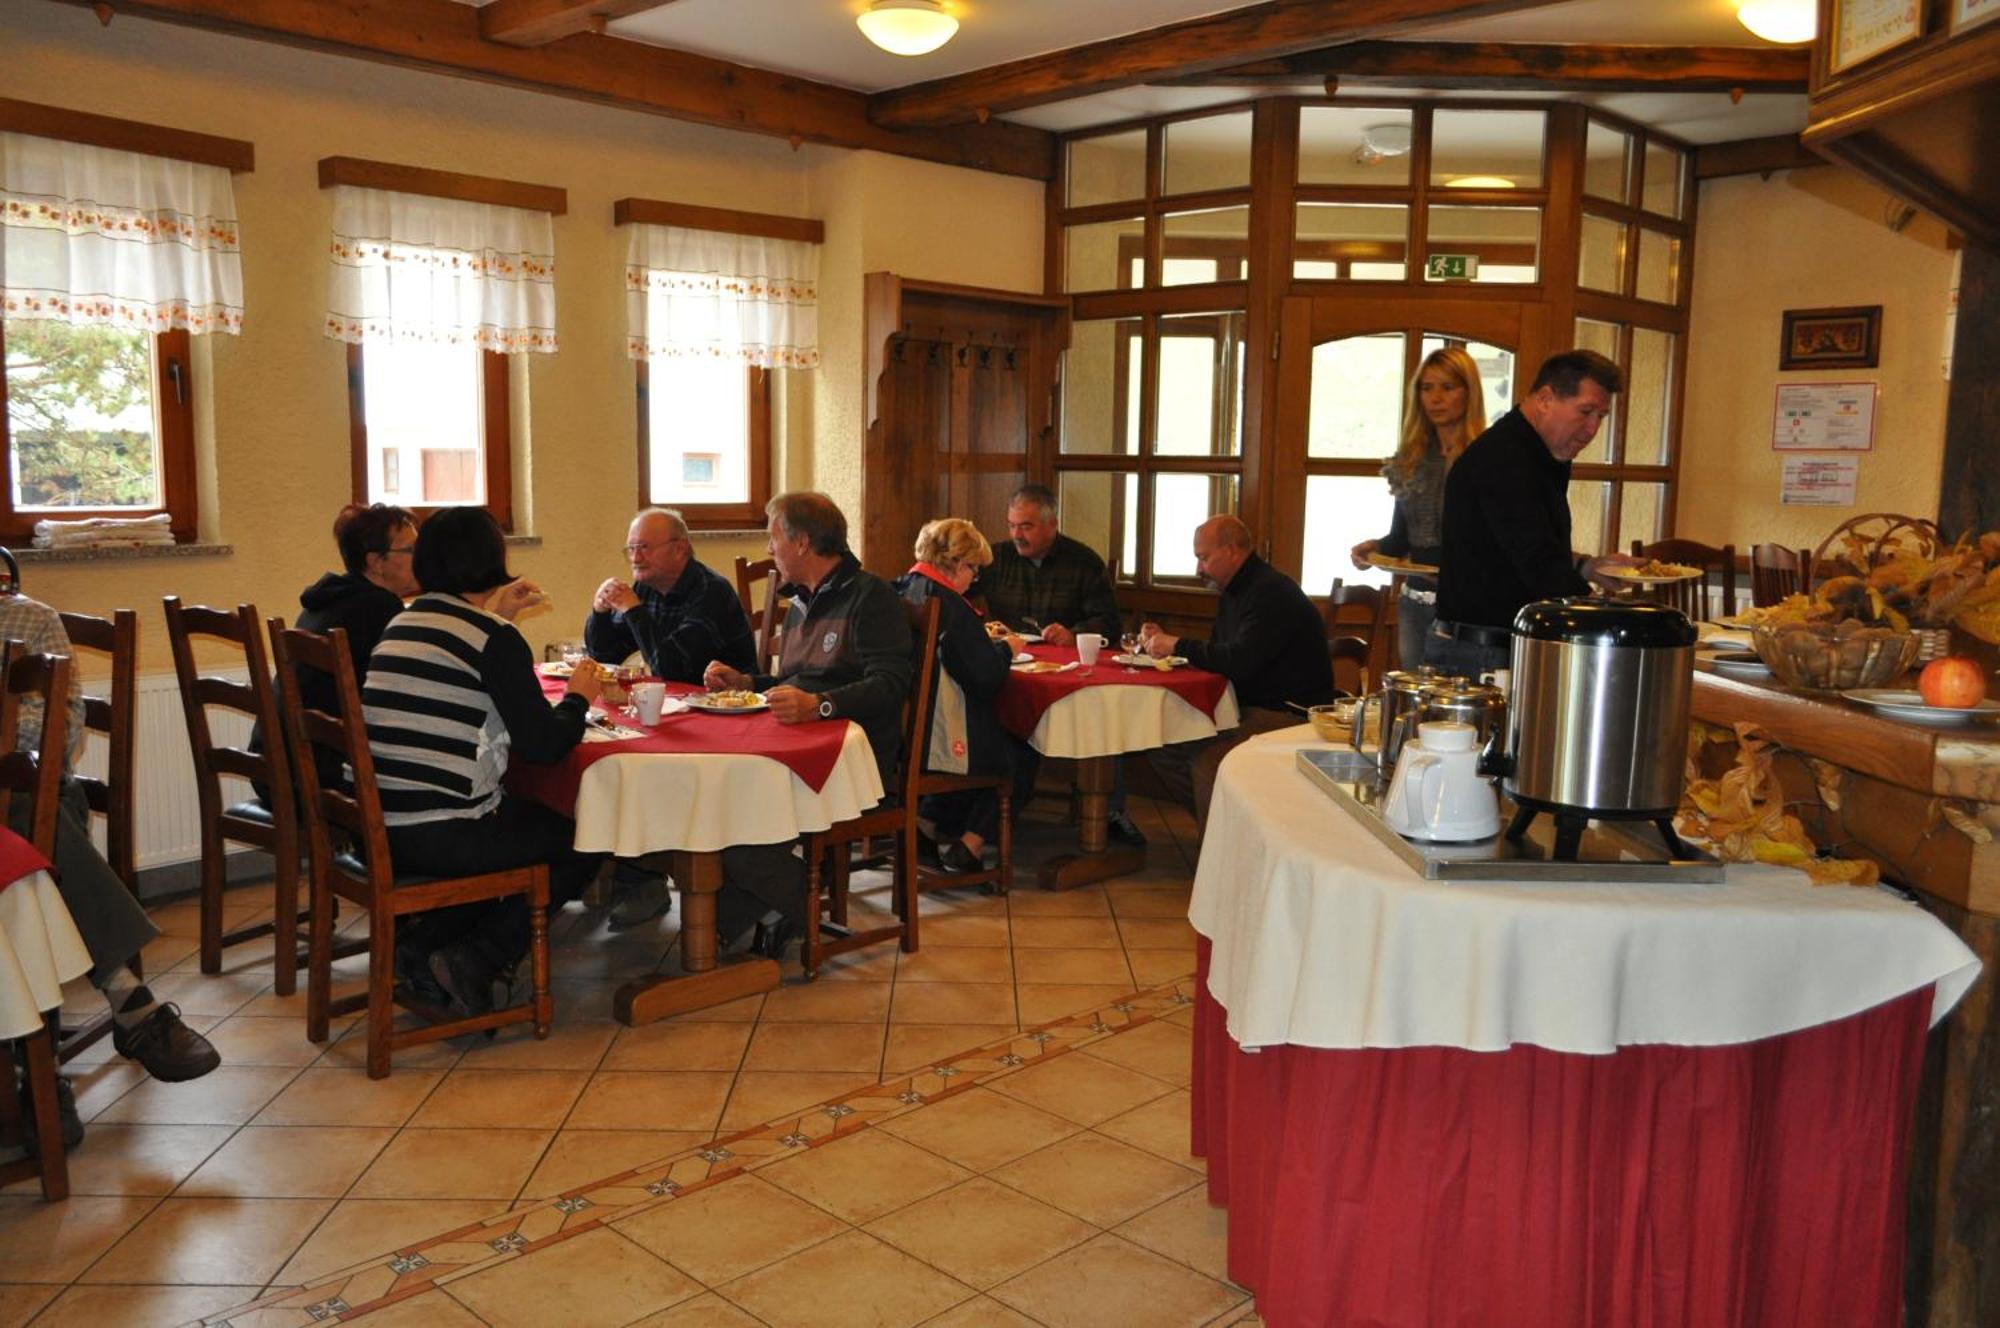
(1095, 714)
(1429, 1102)
(694, 783)
(40, 949)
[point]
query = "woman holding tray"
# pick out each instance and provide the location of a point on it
(1444, 412)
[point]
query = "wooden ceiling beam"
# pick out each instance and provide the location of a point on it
(1753, 156)
(443, 37)
(539, 22)
(1520, 66)
(1256, 32)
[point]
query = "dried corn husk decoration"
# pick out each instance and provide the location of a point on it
(1740, 816)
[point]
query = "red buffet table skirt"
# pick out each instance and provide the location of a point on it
(1756, 1185)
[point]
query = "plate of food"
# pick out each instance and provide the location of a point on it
(1893, 703)
(1164, 663)
(1401, 566)
(726, 702)
(1653, 572)
(1043, 666)
(555, 669)
(1743, 665)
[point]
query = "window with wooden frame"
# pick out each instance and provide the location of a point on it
(705, 441)
(430, 427)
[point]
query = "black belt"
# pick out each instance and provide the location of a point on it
(1479, 636)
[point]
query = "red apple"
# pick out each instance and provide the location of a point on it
(1953, 682)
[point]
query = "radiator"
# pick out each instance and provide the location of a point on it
(166, 808)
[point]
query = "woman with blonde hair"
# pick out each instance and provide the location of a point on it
(1444, 412)
(966, 737)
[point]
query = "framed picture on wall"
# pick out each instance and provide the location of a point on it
(1971, 13)
(1831, 338)
(1863, 29)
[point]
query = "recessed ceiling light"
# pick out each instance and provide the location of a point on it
(1786, 22)
(907, 27)
(1480, 182)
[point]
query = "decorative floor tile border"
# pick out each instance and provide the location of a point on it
(413, 1269)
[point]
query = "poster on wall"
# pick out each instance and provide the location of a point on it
(1819, 481)
(1824, 417)
(1863, 29)
(1971, 13)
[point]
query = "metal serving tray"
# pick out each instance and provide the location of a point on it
(1611, 850)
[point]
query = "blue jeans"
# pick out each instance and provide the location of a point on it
(1413, 630)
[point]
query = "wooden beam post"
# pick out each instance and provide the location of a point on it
(1534, 67)
(1753, 156)
(539, 22)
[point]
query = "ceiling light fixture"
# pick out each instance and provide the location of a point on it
(1479, 182)
(1786, 22)
(907, 27)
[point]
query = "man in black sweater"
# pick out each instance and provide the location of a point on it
(1506, 513)
(675, 611)
(1269, 642)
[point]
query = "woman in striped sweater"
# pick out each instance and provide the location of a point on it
(451, 698)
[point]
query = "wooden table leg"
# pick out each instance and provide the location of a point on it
(706, 981)
(1097, 861)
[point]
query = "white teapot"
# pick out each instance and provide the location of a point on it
(1438, 792)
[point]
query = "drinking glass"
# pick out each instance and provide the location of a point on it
(1129, 642)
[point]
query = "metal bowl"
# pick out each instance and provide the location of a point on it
(1834, 656)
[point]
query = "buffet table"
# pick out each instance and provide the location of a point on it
(1430, 1104)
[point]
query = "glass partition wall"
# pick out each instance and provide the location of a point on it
(1252, 288)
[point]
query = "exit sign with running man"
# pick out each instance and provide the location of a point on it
(1452, 267)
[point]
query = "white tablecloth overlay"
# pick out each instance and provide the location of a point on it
(1109, 720)
(39, 951)
(1322, 937)
(644, 802)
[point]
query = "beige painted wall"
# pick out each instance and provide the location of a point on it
(272, 407)
(1806, 239)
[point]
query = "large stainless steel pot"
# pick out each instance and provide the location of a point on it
(1600, 707)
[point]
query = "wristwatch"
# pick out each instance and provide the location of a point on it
(826, 707)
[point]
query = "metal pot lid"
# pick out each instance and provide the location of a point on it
(1591, 620)
(1459, 691)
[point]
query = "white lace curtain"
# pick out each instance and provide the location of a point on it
(711, 295)
(103, 236)
(407, 267)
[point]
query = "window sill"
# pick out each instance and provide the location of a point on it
(748, 532)
(115, 554)
(524, 541)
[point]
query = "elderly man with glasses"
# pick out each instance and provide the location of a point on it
(679, 615)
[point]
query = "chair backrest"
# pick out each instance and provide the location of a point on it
(1776, 572)
(765, 618)
(1714, 592)
(1341, 619)
(114, 713)
(750, 574)
(923, 688)
(1350, 664)
(38, 773)
(240, 632)
(356, 811)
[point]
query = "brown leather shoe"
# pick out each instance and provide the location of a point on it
(169, 1050)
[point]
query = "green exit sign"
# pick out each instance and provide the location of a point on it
(1452, 267)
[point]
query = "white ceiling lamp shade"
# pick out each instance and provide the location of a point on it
(1382, 141)
(1786, 22)
(1479, 182)
(907, 27)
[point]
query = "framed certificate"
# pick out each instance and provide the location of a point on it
(1971, 13)
(1863, 29)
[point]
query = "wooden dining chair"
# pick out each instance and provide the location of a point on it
(113, 713)
(37, 776)
(923, 783)
(271, 826)
(757, 587)
(828, 860)
(1714, 592)
(1777, 572)
(1350, 664)
(358, 868)
(1360, 610)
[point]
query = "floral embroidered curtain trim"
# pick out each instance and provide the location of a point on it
(695, 294)
(101, 236)
(412, 268)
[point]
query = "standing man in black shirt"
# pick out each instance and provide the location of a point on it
(1042, 581)
(1269, 641)
(1506, 513)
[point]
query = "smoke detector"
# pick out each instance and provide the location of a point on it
(1382, 141)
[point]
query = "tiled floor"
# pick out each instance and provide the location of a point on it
(885, 1146)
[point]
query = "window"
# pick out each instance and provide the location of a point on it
(99, 421)
(430, 427)
(705, 440)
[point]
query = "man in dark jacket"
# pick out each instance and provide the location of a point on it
(675, 611)
(845, 654)
(1269, 642)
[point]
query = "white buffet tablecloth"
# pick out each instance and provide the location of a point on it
(39, 951)
(646, 802)
(1322, 937)
(1111, 721)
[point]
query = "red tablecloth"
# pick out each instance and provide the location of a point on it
(1027, 695)
(810, 751)
(1757, 1185)
(18, 858)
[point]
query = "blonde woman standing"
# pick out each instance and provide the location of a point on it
(1444, 412)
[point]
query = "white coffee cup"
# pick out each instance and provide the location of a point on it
(647, 699)
(1087, 646)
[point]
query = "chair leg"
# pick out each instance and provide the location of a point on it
(1006, 881)
(38, 1050)
(837, 887)
(212, 861)
(381, 988)
(538, 959)
(319, 958)
(905, 883)
(809, 949)
(285, 923)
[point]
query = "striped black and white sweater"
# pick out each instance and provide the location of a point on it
(451, 692)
